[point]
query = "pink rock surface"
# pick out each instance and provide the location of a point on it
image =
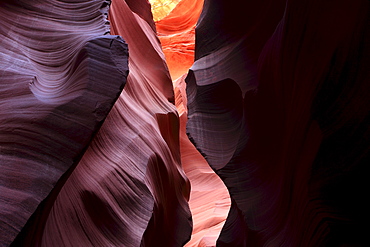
(209, 198)
(129, 188)
(170, 223)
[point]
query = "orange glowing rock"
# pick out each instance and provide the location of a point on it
(176, 32)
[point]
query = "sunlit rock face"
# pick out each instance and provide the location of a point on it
(59, 78)
(279, 107)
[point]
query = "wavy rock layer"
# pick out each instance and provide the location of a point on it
(279, 107)
(129, 188)
(158, 125)
(59, 79)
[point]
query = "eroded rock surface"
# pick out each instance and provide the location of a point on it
(129, 188)
(209, 198)
(59, 79)
(279, 107)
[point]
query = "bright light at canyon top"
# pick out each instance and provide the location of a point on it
(161, 8)
(175, 21)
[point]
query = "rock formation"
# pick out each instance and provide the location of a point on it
(279, 107)
(209, 199)
(93, 144)
(124, 187)
(157, 124)
(176, 32)
(59, 78)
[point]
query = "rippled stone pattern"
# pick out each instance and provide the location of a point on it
(143, 131)
(279, 107)
(128, 188)
(59, 79)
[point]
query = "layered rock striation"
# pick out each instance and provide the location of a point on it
(63, 182)
(152, 97)
(59, 79)
(209, 198)
(93, 149)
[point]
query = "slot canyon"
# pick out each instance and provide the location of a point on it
(197, 123)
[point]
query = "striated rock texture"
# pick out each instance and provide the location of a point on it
(59, 78)
(279, 107)
(150, 100)
(59, 81)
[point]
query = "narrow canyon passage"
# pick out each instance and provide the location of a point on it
(184, 123)
(209, 198)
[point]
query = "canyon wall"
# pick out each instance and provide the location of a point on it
(63, 182)
(107, 138)
(209, 198)
(59, 79)
(278, 104)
